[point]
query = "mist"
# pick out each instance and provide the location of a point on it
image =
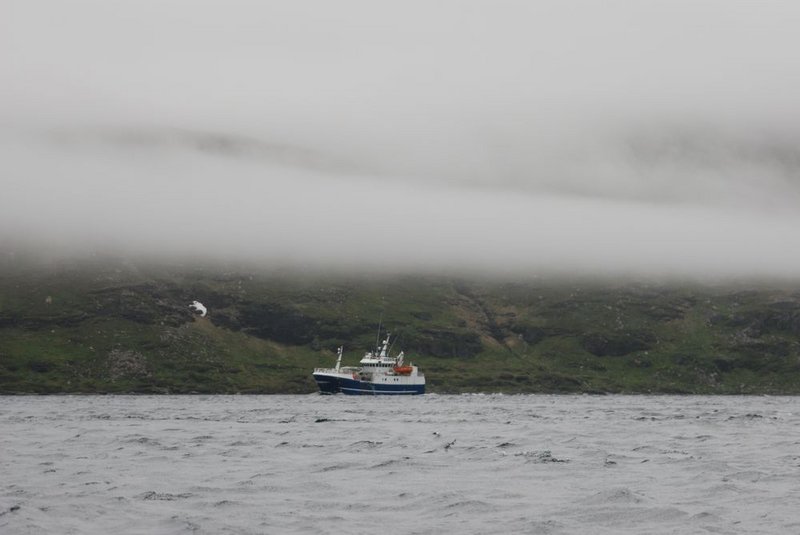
(611, 138)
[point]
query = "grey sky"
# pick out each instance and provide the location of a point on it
(656, 137)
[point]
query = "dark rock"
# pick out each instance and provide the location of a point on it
(40, 366)
(616, 343)
(665, 312)
(441, 343)
(723, 365)
(278, 323)
(531, 334)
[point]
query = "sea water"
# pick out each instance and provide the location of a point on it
(427, 464)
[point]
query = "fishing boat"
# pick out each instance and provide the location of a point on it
(378, 374)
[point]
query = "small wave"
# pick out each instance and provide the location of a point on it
(391, 462)
(340, 466)
(748, 416)
(163, 496)
(619, 495)
(142, 440)
(473, 506)
(10, 509)
(366, 443)
(750, 476)
(543, 456)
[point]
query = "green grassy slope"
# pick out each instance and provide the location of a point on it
(125, 328)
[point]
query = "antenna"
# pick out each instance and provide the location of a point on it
(396, 338)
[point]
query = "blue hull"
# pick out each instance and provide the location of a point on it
(352, 387)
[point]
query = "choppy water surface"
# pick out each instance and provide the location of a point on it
(429, 464)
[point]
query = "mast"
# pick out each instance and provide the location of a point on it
(378, 337)
(385, 349)
(339, 359)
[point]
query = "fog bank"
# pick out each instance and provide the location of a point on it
(549, 137)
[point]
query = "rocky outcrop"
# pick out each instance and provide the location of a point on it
(441, 343)
(617, 343)
(123, 363)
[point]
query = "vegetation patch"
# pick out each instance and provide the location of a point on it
(116, 327)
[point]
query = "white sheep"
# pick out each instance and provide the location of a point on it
(197, 306)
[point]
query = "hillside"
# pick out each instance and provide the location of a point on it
(119, 327)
